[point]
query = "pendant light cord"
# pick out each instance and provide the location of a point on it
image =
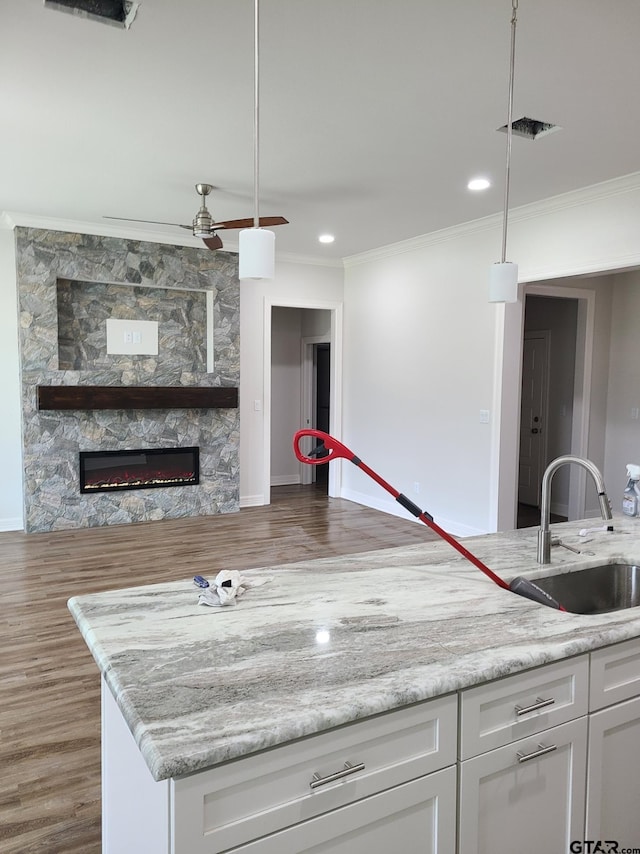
(256, 117)
(514, 4)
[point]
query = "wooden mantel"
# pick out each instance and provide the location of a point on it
(136, 397)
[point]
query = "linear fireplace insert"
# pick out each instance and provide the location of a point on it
(145, 468)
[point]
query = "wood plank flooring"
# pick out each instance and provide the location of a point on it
(49, 683)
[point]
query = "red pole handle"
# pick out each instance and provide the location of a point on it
(339, 451)
(336, 449)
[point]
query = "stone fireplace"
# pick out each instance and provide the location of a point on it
(83, 394)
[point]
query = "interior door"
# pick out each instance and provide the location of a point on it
(533, 412)
(322, 364)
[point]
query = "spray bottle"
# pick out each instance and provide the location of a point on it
(631, 498)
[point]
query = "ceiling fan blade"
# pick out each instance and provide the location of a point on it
(149, 221)
(248, 222)
(212, 242)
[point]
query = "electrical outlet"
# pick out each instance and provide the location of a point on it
(128, 336)
(416, 487)
(484, 416)
(635, 412)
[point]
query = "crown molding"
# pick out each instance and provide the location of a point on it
(20, 219)
(13, 219)
(575, 198)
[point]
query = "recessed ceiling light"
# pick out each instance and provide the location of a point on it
(478, 184)
(326, 238)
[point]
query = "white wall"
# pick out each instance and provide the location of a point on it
(425, 351)
(623, 430)
(316, 324)
(286, 382)
(295, 285)
(418, 368)
(11, 508)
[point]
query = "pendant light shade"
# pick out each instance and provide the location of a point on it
(503, 282)
(503, 277)
(256, 248)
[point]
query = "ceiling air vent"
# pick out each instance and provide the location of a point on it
(117, 13)
(530, 128)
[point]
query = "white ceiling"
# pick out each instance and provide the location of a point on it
(374, 113)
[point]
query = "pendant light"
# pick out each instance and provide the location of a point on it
(503, 277)
(256, 246)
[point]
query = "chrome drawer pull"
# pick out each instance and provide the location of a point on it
(539, 704)
(348, 769)
(525, 757)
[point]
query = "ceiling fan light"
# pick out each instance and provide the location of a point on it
(256, 251)
(503, 282)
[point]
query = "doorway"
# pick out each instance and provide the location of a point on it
(551, 412)
(322, 396)
(534, 406)
(302, 384)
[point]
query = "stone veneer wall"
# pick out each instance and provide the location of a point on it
(84, 307)
(52, 439)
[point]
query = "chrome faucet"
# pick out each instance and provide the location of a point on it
(544, 534)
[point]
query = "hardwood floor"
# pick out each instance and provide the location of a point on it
(49, 683)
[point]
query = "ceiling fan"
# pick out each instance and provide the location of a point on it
(205, 227)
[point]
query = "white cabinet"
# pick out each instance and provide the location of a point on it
(416, 818)
(355, 788)
(544, 757)
(613, 790)
(523, 746)
(615, 674)
(527, 796)
(232, 804)
(521, 705)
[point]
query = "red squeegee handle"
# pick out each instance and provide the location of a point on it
(336, 450)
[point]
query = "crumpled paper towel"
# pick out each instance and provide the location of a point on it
(227, 587)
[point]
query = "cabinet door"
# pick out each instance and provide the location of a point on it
(528, 796)
(613, 795)
(415, 818)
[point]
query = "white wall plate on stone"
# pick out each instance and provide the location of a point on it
(135, 337)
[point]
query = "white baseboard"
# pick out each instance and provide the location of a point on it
(12, 524)
(284, 479)
(394, 509)
(251, 501)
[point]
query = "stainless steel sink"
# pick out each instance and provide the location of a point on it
(597, 590)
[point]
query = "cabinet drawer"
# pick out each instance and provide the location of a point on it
(247, 798)
(519, 706)
(416, 818)
(615, 674)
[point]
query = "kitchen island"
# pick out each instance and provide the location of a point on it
(325, 648)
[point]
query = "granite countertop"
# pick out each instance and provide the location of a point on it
(331, 641)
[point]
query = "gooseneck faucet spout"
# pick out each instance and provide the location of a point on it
(544, 534)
